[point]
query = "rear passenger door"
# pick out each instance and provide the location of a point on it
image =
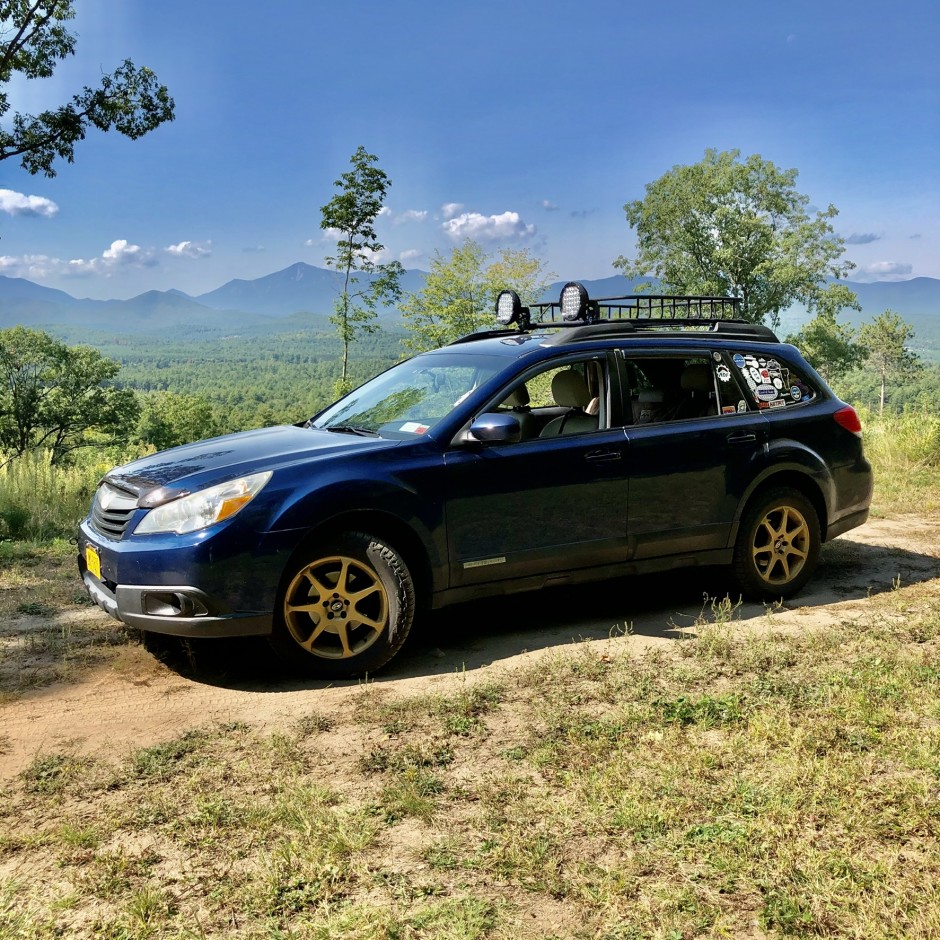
(692, 450)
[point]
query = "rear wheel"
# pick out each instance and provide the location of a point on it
(778, 544)
(345, 608)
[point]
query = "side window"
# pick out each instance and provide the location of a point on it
(670, 388)
(771, 382)
(566, 399)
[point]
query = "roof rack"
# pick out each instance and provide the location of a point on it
(630, 314)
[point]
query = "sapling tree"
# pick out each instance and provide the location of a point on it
(350, 215)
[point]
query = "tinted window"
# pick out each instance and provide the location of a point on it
(771, 382)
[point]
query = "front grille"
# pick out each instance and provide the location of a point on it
(111, 511)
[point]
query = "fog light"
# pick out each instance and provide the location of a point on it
(172, 604)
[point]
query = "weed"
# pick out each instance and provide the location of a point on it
(35, 609)
(411, 793)
(163, 760)
(52, 773)
(313, 723)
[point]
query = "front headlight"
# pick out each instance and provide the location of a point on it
(205, 508)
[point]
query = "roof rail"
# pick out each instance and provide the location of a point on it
(700, 326)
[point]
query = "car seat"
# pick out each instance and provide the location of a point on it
(699, 388)
(517, 401)
(570, 390)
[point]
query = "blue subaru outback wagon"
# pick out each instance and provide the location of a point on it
(581, 440)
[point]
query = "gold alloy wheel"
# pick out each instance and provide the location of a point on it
(336, 607)
(781, 545)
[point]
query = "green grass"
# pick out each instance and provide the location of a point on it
(776, 785)
(905, 453)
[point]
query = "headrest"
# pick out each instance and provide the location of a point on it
(651, 396)
(570, 389)
(517, 398)
(697, 378)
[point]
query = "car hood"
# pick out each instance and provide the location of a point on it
(171, 473)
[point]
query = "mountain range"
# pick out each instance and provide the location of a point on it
(241, 304)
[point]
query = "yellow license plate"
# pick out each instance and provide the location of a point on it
(93, 561)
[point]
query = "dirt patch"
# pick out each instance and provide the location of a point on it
(137, 696)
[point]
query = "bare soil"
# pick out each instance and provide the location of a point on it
(139, 694)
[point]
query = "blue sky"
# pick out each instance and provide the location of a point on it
(518, 123)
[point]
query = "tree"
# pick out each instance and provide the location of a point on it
(460, 292)
(831, 347)
(53, 395)
(886, 339)
(726, 227)
(351, 213)
(169, 419)
(33, 40)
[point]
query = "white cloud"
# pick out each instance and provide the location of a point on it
(120, 254)
(862, 238)
(548, 205)
(190, 249)
(14, 203)
(329, 235)
(450, 209)
(507, 225)
(376, 257)
(398, 218)
(411, 215)
(411, 254)
(28, 266)
(884, 271)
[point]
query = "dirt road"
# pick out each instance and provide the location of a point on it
(137, 699)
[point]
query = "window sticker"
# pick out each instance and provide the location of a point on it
(742, 407)
(413, 427)
(771, 381)
(727, 409)
(724, 374)
(716, 356)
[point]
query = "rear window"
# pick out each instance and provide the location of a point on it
(772, 382)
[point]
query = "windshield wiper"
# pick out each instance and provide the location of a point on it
(350, 429)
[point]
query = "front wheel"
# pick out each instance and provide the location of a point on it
(345, 608)
(778, 543)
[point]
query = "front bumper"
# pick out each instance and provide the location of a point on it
(177, 610)
(198, 587)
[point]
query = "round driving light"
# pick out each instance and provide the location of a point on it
(573, 301)
(508, 307)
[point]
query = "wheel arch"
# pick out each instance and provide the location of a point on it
(794, 478)
(382, 525)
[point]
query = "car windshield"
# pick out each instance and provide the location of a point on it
(410, 398)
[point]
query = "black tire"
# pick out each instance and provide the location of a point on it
(345, 607)
(778, 543)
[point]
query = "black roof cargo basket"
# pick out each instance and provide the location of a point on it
(630, 314)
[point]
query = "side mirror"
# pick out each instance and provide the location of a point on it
(496, 428)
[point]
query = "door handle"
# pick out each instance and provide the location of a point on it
(741, 437)
(596, 456)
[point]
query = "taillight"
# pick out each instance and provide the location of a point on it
(847, 418)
